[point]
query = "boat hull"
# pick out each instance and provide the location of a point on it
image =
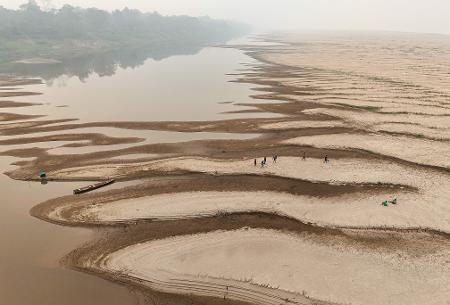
(92, 187)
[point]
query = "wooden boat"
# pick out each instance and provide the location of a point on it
(92, 187)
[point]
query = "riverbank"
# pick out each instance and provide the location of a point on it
(203, 224)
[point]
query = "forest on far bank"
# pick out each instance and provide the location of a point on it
(31, 32)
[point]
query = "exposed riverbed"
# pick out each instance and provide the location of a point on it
(186, 136)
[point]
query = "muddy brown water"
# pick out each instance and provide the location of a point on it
(184, 87)
(31, 250)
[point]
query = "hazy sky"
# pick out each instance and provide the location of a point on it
(401, 15)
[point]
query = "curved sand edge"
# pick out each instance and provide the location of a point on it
(424, 208)
(188, 264)
(432, 206)
(357, 211)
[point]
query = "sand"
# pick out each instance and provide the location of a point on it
(415, 130)
(349, 211)
(425, 208)
(421, 151)
(291, 263)
(327, 105)
(366, 119)
(370, 101)
(382, 106)
(341, 171)
(302, 124)
(136, 262)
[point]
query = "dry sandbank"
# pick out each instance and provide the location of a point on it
(291, 263)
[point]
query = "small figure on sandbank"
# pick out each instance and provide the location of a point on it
(386, 202)
(275, 159)
(304, 156)
(254, 162)
(325, 160)
(43, 177)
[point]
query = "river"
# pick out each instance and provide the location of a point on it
(177, 87)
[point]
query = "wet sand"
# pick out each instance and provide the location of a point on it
(205, 225)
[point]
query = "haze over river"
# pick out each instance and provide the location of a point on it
(178, 87)
(376, 104)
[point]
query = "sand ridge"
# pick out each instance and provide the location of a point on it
(316, 269)
(421, 151)
(426, 207)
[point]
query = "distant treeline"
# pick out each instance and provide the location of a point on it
(70, 31)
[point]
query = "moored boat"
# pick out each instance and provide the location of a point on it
(92, 187)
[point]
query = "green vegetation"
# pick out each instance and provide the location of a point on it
(71, 32)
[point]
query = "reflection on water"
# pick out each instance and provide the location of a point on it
(188, 87)
(129, 86)
(151, 137)
(102, 64)
(153, 86)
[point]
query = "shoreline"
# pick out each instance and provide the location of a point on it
(342, 191)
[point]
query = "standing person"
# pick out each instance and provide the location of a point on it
(255, 162)
(264, 160)
(275, 158)
(262, 163)
(304, 156)
(326, 159)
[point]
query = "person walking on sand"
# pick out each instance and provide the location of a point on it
(262, 163)
(255, 162)
(304, 156)
(265, 160)
(275, 159)
(325, 159)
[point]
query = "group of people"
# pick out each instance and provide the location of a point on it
(264, 161)
(275, 158)
(325, 160)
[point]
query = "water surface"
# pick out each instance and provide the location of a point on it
(188, 86)
(31, 249)
(181, 88)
